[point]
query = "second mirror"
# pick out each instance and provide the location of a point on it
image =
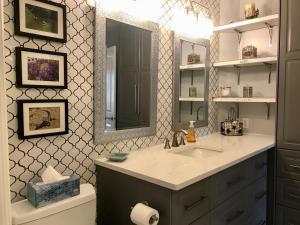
(191, 69)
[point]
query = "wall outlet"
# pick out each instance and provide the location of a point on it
(245, 123)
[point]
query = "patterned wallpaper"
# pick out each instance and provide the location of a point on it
(74, 153)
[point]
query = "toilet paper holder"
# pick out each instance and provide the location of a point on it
(154, 218)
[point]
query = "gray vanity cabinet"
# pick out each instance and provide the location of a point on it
(235, 196)
(288, 132)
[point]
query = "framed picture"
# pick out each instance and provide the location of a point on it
(40, 118)
(37, 68)
(41, 19)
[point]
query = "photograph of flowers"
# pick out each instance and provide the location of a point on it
(40, 19)
(40, 118)
(37, 68)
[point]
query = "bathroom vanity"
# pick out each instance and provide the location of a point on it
(221, 180)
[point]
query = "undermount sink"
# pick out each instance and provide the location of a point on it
(196, 151)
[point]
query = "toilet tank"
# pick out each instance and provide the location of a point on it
(78, 210)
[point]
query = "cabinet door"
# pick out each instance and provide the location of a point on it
(127, 74)
(287, 216)
(288, 193)
(144, 99)
(288, 164)
(289, 79)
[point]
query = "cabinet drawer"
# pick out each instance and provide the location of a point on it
(259, 166)
(230, 181)
(259, 222)
(258, 199)
(192, 202)
(288, 165)
(287, 216)
(205, 220)
(235, 211)
(288, 193)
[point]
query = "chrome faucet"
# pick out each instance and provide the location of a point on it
(175, 141)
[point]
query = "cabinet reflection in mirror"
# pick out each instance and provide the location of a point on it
(190, 86)
(126, 67)
(128, 76)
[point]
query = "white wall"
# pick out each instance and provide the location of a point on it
(5, 215)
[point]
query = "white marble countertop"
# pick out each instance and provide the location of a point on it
(180, 167)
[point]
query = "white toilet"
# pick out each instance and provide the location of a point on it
(78, 210)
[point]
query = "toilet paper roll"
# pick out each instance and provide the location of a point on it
(144, 215)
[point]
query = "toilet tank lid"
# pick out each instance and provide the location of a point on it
(24, 212)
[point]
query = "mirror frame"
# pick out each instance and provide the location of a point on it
(101, 136)
(176, 81)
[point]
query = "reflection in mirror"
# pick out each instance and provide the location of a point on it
(126, 69)
(191, 69)
(128, 76)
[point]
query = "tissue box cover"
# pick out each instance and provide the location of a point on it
(42, 195)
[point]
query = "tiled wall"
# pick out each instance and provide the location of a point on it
(75, 152)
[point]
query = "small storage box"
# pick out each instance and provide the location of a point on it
(42, 195)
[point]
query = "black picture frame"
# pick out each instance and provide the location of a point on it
(19, 30)
(24, 131)
(21, 74)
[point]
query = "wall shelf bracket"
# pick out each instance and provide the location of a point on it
(269, 67)
(268, 110)
(238, 72)
(239, 35)
(270, 28)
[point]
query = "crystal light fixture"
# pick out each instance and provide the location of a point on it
(193, 22)
(148, 10)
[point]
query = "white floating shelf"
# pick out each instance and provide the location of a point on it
(250, 100)
(247, 25)
(247, 62)
(192, 67)
(190, 99)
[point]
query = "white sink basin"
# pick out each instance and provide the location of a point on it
(196, 151)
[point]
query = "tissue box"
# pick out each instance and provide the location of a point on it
(42, 195)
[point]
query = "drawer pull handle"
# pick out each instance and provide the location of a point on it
(294, 196)
(238, 214)
(260, 196)
(262, 222)
(261, 165)
(235, 181)
(295, 167)
(189, 207)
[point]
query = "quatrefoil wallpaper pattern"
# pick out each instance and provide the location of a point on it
(74, 153)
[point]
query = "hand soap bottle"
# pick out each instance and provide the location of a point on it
(191, 136)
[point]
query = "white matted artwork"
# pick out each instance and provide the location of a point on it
(37, 68)
(39, 118)
(40, 19)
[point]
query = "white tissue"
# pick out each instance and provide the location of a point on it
(50, 175)
(143, 215)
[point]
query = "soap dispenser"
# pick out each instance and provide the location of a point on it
(191, 136)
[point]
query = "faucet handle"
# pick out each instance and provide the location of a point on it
(182, 142)
(167, 144)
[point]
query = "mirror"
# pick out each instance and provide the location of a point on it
(190, 86)
(126, 67)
